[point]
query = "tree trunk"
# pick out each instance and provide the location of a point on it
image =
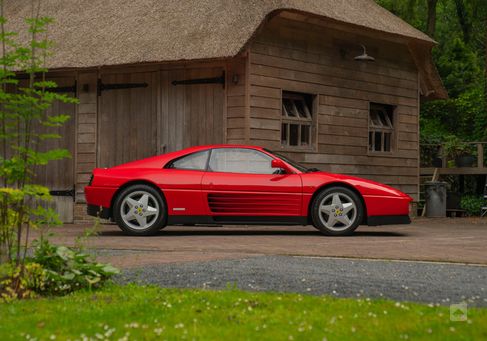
(485, 66)
(463, 20)
(431, 20)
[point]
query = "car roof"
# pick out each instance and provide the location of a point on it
(213, 146)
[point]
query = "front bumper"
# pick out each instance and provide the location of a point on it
(388, 220)
(99, 211)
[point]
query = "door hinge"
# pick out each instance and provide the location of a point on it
(213, 80)
(118, 86)
(64, 193)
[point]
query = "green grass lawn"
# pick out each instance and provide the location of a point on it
(147, 312)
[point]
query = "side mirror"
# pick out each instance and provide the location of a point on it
(276, 163)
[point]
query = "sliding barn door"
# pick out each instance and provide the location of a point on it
(127, 118)
(191, 114)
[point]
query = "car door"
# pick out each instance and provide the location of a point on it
(181, 180)
(241, 182)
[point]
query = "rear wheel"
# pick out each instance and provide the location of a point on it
(337, 211)
(140, 210)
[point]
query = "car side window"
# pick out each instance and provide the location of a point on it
(240, 160)
(195, 161)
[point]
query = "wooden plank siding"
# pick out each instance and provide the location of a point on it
(288, 55)
(236, 93)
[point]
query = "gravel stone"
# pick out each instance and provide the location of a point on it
(427, 282)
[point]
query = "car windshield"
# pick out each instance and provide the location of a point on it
(293, 163)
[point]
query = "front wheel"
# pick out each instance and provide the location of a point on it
(140, 210)
(337, 211)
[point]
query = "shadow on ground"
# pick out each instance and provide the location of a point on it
(226, 232)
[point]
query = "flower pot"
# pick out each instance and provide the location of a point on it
(453, 200)
(465, 161)
(437, 162)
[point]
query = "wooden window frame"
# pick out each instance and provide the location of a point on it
(309, 119)
(373, 129)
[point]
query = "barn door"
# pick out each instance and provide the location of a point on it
(191, 114)
(128, 117)
(59, 175)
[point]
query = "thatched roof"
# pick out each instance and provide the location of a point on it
(91, 33)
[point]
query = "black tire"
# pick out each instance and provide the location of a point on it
(342, 191)
(157, 224)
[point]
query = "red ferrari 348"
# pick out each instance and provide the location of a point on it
(230, 184)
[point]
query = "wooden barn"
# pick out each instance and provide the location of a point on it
(294, 76)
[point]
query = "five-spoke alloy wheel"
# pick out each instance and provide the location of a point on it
(337, 211)
(140, 210)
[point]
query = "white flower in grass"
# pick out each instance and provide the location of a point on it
(158, 331)
(354, 330)
(52, 337)
(179, 326)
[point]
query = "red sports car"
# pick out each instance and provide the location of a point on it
(230, 184)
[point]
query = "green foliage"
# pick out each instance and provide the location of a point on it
(25, 125)
(455, 147)
(53, 270)
(20, 282)
(460, 68)
(67, 269)
(472, 204)
(461, 31)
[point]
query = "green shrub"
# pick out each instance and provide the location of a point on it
(472, 204)
(16, 282)
(66, 269)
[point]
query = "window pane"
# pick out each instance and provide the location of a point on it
(240, 160)
(293, 134)
(378, 141)
(305, 135)
(303, 110)
(284, 133)
(387, 142)
(287, 108)
(195, 161)
(381, 124)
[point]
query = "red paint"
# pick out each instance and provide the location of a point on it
(217, 194)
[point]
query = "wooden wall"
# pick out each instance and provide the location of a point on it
(302, 57)
(123, 125)
(237, 101)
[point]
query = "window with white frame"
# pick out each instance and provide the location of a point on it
(381, 127)
(297, 119)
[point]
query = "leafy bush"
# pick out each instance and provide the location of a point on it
(53, 270)
(472, 204)
(455, 147)
(67, 269)
(16, 282)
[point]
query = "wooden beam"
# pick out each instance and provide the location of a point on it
(455, 171)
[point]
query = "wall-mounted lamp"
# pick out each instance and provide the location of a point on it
(364, 57)
(235, 79)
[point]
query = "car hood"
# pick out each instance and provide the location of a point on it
(364, 186)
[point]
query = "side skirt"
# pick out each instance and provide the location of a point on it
(388, 220)
(236, 220)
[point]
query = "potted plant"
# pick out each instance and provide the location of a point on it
(459, 151)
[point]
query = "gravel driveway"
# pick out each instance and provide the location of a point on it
(428, 282)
